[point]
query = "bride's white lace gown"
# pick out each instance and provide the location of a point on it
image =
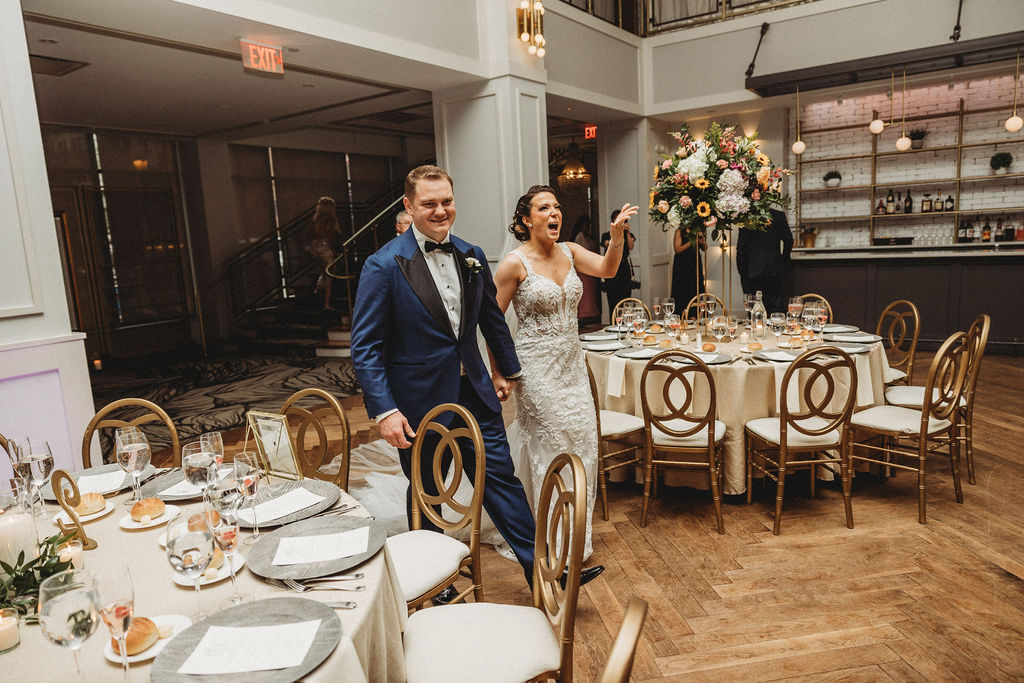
(554, 407)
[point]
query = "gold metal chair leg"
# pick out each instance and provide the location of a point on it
(779, 490)
(750, 469)
(921, 514)
(845, 464)
(969, 449)
(954, 459)
(602, 482)
(716, 494)
(648, 467)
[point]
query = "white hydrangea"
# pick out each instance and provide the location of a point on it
(731, 205)
(675, 216)
(731, 182)
(695, 165)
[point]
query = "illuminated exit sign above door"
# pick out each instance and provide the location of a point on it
(260, 57)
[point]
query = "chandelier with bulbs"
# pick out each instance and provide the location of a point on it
(574, 178)
(530, 26)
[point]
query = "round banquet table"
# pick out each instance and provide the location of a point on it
(744, 392)
(371, 642)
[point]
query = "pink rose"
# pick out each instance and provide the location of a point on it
(685, 201)
(755, 195)
(680, 152)
(710, 222)
(722, 163)
(667, 164)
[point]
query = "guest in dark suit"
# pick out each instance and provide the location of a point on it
(762, 258)
(420, 301)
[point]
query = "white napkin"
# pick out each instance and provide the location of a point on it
(232, 650)
(853, 337)
(836, 328)
(616, 375)
(286, 504)
(185, 488)
(101, 483)
(322, 548)
(706, 357)
(603, 346)
(778, 355)
(600, 336)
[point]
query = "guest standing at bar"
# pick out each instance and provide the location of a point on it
(762, 258)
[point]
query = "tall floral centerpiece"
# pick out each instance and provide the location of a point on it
(718, 182)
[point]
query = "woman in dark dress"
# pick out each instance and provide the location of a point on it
(621, 286)
(686, 270)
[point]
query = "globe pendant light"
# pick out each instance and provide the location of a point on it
(903, 143)
(878, 125)
(1015, 122)
(799, 147)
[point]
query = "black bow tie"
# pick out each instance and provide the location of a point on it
(446, 247)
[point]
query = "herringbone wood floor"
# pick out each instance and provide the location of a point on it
(890, 599)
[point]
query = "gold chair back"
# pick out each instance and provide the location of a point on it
(946, 382)
(628, 301)
(899, 326)
(818, 298)
(620, 660)
(558, 549)
(977, 340)
(154, 414)
(311, 430)
(820, 396)
(706, 299)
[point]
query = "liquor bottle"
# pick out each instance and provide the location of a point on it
(986, 231)
(890, 202)
(899, 203)
(976, 237)
(999, 235)
(908, 204)
(926, 203)
(938, 205)
(961, 231)
(758, 319)
(880, 209)
(949, 202)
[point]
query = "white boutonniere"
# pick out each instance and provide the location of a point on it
(472, 265)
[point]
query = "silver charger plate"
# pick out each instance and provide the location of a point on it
(861, 338)
(851, 348)
(261, 613)
(261, 555)
(718, 359)
(599, 336)
(760, 355)
(618, 328)
(326, 489)
(155, 487)
(47, 490)
(834, 328)
(608, 345)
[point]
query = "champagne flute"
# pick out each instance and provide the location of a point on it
(248, 474)
(668, 304)
(116, 601)
(68, 613)
(822, 321)
(225, 533)
(618, 324)
(672, 325)
(748, 305)
(190, 550)
(656, 308)
(627, 320)
(133, 455)
(212, 442)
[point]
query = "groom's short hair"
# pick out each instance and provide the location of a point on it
(421, 172)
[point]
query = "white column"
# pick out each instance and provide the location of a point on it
(44, 376)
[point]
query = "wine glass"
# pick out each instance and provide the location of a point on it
(213, 443)
(198, 464)
(822, 321)
(68, 612)
(672, 325)
(656, 308)
(796, 306)
(133, 455)
(627, 313)
(33, 465)
(810, 315)
(639, 324)
(116, 601)
(190, 550)
(225, 533)
(668, 305)
(247, 472)
(732, 322)
(719, 325)
(777, 324)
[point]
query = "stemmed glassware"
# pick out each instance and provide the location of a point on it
(748, 305)
(247, 473)
(777, 324)
(68, 611)
(213, 443)
(719, 325)
(810, 315)
(190, 550)
(116, 602)
(822, 321)
(33, 465)
(732, 323)
(796, 307)
(639, 324)
(133, 455)
(668, 305)
(655, 308)
(672, 325)
(627, 313)
(198, 465)
(226, 496)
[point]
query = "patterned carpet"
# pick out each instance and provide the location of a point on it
(206, 394)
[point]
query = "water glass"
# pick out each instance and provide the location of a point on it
(668, 305)
(777, 324)
(68, 610)
(796, 306)
(672, 325)
(197, 465)
(190, 550)
(133, 455)
(718, 327)
(33, 465)
(748, 304)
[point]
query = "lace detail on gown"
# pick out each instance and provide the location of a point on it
(555, 411)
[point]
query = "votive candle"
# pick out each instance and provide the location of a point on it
(10, 635)
(72, 552)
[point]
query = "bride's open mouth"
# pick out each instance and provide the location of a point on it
(553, 229)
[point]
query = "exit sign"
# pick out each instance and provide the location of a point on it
(260, 57)
(590, 131)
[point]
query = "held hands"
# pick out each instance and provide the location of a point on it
(394, 428)
(619, 225)
(502, 387)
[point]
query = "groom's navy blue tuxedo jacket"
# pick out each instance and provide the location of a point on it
(405, 353)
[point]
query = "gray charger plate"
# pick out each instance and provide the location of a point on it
(760, 355)
(862, 339)
(329, 491)
(261, 613)
(599, 345)
(851, 348)
(261, 556)
(47, 491)
(154, 487)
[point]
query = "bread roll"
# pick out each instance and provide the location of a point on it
(796, 341)
(218, 559)
(708, 346)
(195, 522)
(655, 328)
(650, 340)
(141, 635)
(90, 503)
(755, 346)
(665, 343)
(148, 507)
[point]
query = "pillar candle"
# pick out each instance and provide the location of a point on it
(17, 534)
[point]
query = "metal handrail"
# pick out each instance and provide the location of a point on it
(369, 223)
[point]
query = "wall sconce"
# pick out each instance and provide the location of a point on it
(140, 164)
(530, 26)
(1015, 122)
(799, 147)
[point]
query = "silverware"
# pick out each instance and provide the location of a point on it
(302, 588)
(341, 605)
(336, 577)
(336, 511)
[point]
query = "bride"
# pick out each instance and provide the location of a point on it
(554, 408)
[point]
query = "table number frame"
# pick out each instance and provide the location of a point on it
(65, 490)
(274, 443)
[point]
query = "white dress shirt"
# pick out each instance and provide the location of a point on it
(445, 272)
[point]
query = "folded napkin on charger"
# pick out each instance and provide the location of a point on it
(778, 355)
(322, 548)
(285, 504)
(616, 375)
(604, 346)
(233, 650)
(100, 483)
(600, 336)
(853, 337)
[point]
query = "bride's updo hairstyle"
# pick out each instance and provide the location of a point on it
(518, 228)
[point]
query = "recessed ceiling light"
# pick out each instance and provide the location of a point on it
(568, 108)
(47, 41)
(292, 49)
(308, 85)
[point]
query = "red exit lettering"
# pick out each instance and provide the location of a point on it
(259, 57)
(590, 132)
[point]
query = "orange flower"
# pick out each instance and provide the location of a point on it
(652, 200)
(763, 159)
(701, 184)
(703, 209)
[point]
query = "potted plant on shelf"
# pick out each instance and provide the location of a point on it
(833, 178)
(1000, 162)
(917, 136)
(808, 237)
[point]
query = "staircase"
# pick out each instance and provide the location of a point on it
(337, 344)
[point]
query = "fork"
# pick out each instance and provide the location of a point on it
(302, 588)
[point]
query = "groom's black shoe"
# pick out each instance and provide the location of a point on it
(445, 596)
(586, 576)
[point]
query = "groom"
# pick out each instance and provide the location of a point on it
(420, 300)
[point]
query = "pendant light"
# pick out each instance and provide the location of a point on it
(878, 125)
(799, 146)
(903, 143)
(1015, 122)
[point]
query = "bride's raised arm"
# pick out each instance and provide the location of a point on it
(589, 263)
(506, 280)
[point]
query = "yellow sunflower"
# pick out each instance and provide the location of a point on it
(763, 159)
(652, 200)
(657, 167)
(703, 209)
(701, 184)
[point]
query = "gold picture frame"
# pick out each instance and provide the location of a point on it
(274, 444)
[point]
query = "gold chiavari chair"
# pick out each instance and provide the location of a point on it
(316, 410)
(913, 396)
(707, 300)
(428, 562)
(912, 434)
(899, 326)
(620, 661)
(622, 432)
(684, 426)
(153, 413)
(804, 437)
(819, 299)
(630, 301)
(515, 642)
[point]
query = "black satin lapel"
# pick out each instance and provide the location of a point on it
(418, 276)
(469, 285)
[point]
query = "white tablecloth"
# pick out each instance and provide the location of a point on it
(370, 647)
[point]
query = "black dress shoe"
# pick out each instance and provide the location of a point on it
(446, 596)
(586, 576)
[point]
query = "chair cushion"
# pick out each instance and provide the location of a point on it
(770, 429)
(910, 397)
(693, 441)
(478, 642)
(893, 374)
(423, 558)
(896, 419)
(614, 422)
